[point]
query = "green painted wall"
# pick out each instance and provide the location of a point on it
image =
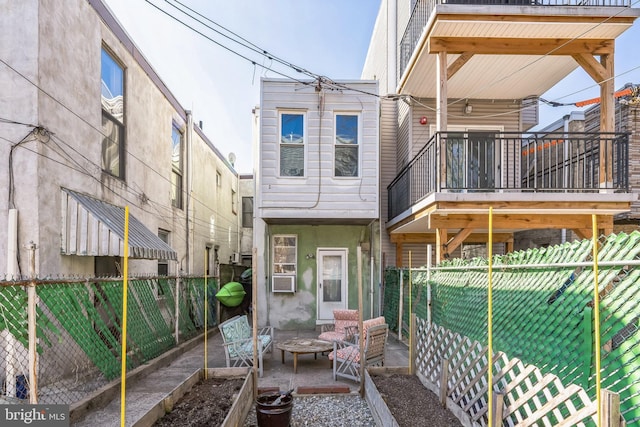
(298, 310)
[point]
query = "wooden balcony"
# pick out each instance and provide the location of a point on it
(506, 49)
(531, 180)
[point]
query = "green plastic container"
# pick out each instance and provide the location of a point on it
(231, 294)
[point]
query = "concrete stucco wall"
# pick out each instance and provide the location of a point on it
(57, 46)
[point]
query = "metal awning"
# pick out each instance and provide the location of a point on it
(91, 227)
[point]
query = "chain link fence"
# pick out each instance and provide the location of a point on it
(543, 309)
(78, 325)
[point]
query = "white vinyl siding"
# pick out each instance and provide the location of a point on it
(486, 115)
(318, 193)
(388, 141)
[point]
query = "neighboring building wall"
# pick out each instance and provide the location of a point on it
(627, 120)
(215, 207)
(388, 136)
(375, 66)
(247, 190)
(18, 103)
(68, 154)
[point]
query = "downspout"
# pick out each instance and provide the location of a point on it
(189, 138)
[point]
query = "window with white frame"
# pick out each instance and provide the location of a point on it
(176, 167)
(163, 264)
(292, 140)
(346, 154)
(112, 99)
(285, 250)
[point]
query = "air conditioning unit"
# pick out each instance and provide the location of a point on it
(235, 258)
(283, 284)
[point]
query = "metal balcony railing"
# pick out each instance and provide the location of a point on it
(423, 8)
(525, 162)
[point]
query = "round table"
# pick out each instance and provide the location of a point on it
(298, 346)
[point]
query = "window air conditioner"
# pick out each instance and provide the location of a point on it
(283, 284)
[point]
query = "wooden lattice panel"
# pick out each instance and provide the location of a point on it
(530, 398)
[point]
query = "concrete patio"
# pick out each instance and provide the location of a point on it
(153, 381)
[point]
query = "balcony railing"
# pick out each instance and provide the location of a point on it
(423, 8)
(530, 162)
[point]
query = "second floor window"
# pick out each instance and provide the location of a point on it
(176, 167)
(292, 144)
(112, 99)
(346, 145)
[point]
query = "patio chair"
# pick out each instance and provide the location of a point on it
(342, 328)
(237, 337)
(346, 356)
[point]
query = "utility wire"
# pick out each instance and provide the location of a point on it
(246, 43)
(323, 80)
(489, 85)
(225, 47)
(63, 105)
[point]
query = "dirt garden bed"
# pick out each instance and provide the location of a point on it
(207, 403)
(223, 399)
(393, 395)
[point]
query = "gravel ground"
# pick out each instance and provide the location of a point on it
(326, 411)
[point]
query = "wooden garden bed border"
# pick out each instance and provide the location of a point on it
(238, 412)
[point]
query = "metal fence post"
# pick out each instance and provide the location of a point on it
(400, 303)
(177, 308)
(31, 321)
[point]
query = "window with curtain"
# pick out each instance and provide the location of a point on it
(112, 100)
(346, 145)
(176, 167)
(292, 140)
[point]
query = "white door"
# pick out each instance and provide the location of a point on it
(332, 282)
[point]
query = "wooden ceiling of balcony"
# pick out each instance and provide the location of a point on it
(496, 53)
(449, 224)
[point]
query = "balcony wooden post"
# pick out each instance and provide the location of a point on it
(441, 92)
(441, 240)
(399, 250)
(441, 115)
(607, 122)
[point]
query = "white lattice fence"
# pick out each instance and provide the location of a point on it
(528, 397)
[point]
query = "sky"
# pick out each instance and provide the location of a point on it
(325, 37)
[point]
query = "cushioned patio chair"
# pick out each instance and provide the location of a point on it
(342, 328)
(237, 337)
(346, 355)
